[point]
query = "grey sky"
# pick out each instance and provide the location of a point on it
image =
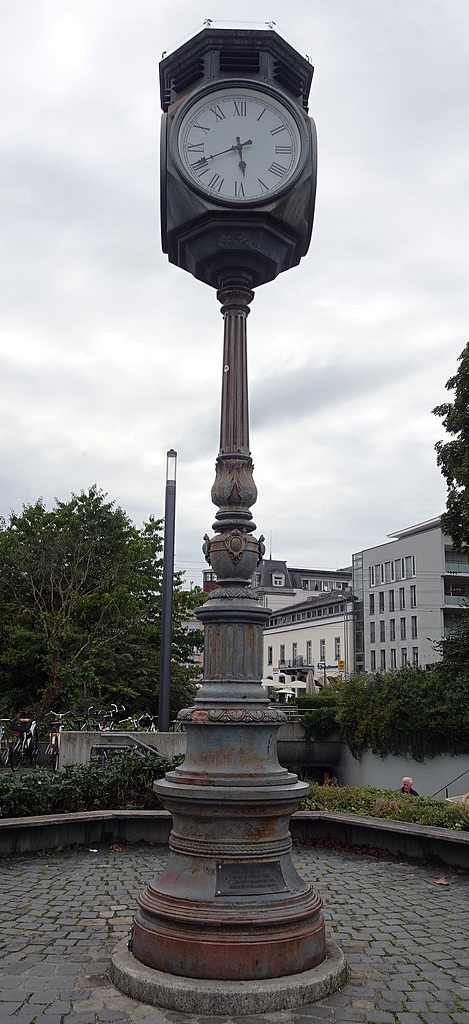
(110, 356)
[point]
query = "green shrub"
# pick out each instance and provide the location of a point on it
(125, 784)
(319, 723)
(386, 803)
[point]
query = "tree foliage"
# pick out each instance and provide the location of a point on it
(80, 609)
(453, 456)
(410, 712)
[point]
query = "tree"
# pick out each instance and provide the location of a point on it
(80, 608)
(453, 456)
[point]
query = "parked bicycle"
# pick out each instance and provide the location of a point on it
(57, 726)
(23, 749)
(4, 743)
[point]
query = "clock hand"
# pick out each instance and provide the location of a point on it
(211, 156)
(231, 149)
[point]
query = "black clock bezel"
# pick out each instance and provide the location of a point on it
(211, 89)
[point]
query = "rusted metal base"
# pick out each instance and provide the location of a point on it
(214, 998)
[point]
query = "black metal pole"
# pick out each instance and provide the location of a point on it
(167, 595)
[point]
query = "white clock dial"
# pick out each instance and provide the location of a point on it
(239, 145)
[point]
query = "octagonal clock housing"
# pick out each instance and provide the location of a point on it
(238, 156)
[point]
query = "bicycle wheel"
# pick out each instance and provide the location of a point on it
(5, 755)
(33, 751)
(55, 757)
(15, 756)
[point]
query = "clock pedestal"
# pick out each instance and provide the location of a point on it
(230, 906)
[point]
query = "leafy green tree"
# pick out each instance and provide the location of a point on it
(415, 711)
(80, 608)
(454, 651)
(453, 456)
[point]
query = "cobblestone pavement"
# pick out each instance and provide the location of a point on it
(406, 939)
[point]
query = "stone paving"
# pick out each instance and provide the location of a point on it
(404, 933)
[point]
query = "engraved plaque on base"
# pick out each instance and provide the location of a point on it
(245, 878)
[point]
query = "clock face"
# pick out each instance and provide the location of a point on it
(239, 145)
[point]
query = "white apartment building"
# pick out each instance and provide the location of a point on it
(309, 642)
(409, 593)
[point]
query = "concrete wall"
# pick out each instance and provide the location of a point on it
(75, 747)
(429, 777)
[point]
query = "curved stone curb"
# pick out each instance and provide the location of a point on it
(190, 995)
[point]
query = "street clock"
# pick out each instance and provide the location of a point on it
(238, 156)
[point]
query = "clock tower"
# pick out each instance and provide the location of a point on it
(230, 915)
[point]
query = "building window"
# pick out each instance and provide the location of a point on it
(382, 660)
(373, 661)
(322, 650)
(404, 657)
(413, 626)
(401, 597)
(305, 584)
(294, 652)
(269, 655)
(372, 575)
(309, 652)
(382, 631)
(381, 572)
(372, 604)
(413, 596)
(282, 653)
(393, 657)
(278, 579)
(387, 572)
(391, 600)
(372, 633)
(403, 630)
(381, 602)
(392, 629)
(330, 610)
(397, 567)
(415, 657)
(337, 648)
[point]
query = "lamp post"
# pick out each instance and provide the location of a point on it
(167, 595)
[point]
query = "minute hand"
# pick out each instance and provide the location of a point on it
(231, 149)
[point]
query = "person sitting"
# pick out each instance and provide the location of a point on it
(407, 786)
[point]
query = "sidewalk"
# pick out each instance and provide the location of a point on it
(405, 937)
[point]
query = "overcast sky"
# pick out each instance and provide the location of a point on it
(110, 355)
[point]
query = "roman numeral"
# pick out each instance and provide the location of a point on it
(240, 108)
(279, 128)
(262, 113)
(263, 185)
(200, 167)
(238, 189)
(277, 169)
(202, 127)
(283, 149)
(214, 182)
(220, 116)
(195, 147)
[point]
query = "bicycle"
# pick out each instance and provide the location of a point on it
(24, 746)
(53, 747)
(4, 744)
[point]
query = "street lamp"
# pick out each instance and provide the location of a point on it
(167, 595)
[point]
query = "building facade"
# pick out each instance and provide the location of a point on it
(310, 642)
(409, 594)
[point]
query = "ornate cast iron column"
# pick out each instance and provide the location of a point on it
(230, 904)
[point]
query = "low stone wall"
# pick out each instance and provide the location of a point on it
(89, 828)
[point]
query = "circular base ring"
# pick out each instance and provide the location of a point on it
(190, 995)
